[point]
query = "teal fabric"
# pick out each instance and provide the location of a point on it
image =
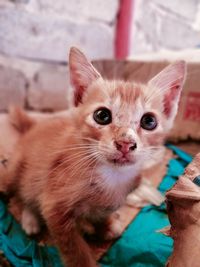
(139, 246)
(21, 250)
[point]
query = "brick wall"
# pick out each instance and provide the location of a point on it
(35, 36)
(171, 24)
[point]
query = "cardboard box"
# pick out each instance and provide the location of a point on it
(187, 123)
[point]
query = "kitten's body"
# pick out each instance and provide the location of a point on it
(55, 188)
(48, 167)
(73, 169)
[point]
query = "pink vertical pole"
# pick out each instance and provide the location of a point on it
(123, 29)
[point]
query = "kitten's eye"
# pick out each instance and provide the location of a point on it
(148, 122)
(102, 116)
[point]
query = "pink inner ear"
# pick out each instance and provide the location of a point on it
(78, 95)
(170, 98)
(82, 73)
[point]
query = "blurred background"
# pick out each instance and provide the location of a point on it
(35, 37)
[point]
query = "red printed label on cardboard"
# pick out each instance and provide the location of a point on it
(192, 110)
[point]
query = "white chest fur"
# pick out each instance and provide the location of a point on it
(117, 176)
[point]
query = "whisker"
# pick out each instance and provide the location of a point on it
(80, 164)
(68, 149)
(84, 167)
(92, 172)
(83, 154)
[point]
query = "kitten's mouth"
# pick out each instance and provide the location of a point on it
(121, 161)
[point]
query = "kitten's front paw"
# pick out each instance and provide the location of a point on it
(145, 194)
(115, 227)
(30, 223)
(115, 231)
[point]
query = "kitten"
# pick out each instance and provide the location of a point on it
(80, 168)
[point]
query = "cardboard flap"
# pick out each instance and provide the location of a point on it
(184, 188)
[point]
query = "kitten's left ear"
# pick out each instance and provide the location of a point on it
(168, 84)
(82, 73)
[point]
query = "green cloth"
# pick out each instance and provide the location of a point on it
(21, 250)
(139, 246)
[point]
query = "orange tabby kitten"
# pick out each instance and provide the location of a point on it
(80, 168)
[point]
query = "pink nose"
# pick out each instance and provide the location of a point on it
(125, 147)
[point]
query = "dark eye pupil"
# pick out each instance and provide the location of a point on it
(148, 122)
(102, 116)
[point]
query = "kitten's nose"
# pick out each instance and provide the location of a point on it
(125, 147)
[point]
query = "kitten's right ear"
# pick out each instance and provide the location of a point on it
(82, 73)
(168, 85)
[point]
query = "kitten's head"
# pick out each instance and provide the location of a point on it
(124, 122)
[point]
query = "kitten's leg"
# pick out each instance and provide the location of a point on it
(110, 228)
(74, 250)
(86, 227)
(115, 227)
(145, 194)
(30, 222)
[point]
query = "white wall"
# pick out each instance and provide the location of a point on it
(160, 24)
